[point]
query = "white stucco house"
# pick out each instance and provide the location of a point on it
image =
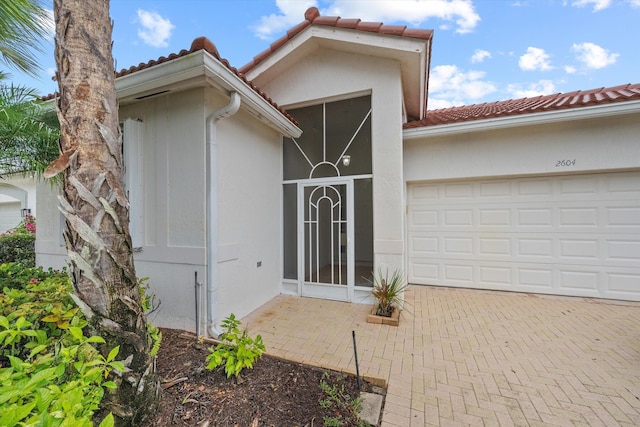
(17, 199)
(318, 162)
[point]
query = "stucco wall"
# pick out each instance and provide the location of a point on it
(249, 222)
(594, 144)
(327, 74)
(174, 237)
(174, 249)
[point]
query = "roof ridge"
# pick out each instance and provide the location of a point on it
(312, 17)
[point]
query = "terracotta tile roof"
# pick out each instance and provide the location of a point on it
(539, 104)
(312, 17)
(200, 43)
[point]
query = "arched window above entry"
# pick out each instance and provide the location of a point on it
(336, 140)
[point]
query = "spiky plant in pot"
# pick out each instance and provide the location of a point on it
(388, 290)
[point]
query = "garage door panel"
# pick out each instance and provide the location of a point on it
(534, 217)
(497, 189)
(423, 218)
(424, 246)
(571, 278)
(495, 217)
(570, 217)
(495, 275)
(457, 218)
(621, 283)
(623, 216)
(569, 235)
(580, 250)
(535, 279)
(623, 252)
(495, 247)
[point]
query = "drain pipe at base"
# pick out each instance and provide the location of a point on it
(212, 209)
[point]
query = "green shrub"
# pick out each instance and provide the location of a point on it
(50, 373)
(18, 244)
(237, 351)
(14, 275)
(18, 248)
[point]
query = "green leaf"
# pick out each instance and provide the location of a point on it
(76, 332)
(96, 339)
(15, 413)
(108, 421)
(113, 353)
(110, 385)
(117, 365)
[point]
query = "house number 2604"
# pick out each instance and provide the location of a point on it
(561, 163)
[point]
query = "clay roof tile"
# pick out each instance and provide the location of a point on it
(544, 103)
(373, 27)
(329, 21)
(312, 17)
(200, 43)
(394, 30)
(348, 23)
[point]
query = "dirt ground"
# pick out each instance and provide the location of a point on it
(276, 393)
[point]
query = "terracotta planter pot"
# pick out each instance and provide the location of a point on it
(391, 321)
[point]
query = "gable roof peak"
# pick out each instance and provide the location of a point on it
(312, 17)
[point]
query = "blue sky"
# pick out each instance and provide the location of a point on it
(483, 50)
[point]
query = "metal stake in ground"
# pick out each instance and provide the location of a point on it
(355, 352)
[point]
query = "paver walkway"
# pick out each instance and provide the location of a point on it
(466, 357)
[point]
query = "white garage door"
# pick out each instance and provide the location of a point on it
(566, 235)
(9, 215)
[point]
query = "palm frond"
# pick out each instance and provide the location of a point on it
(23, 27)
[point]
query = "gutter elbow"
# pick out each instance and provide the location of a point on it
(228, 110)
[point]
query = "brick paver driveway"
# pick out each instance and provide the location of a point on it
(465, 357)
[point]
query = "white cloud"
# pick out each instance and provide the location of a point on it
(155, 30)
(291, 13)
(594, 56)
(450, 86)
(50, 24)
(414, 12)
(461, 12)
(543, 87)
(597, 4)
(480, 55)
(634, 3)
(535, 59)
(570, 69)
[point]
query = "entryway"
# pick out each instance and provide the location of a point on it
(328, 202)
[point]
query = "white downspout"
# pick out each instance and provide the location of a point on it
(212, 209)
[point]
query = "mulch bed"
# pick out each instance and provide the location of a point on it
(276, 393)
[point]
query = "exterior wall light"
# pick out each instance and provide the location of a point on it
(346, 160)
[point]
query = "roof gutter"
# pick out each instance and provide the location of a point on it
(212, 209)
(597, 111)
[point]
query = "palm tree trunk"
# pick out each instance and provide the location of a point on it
(94, 202)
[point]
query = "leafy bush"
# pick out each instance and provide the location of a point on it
(18, 244)
(237, 351)
(50, 373)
